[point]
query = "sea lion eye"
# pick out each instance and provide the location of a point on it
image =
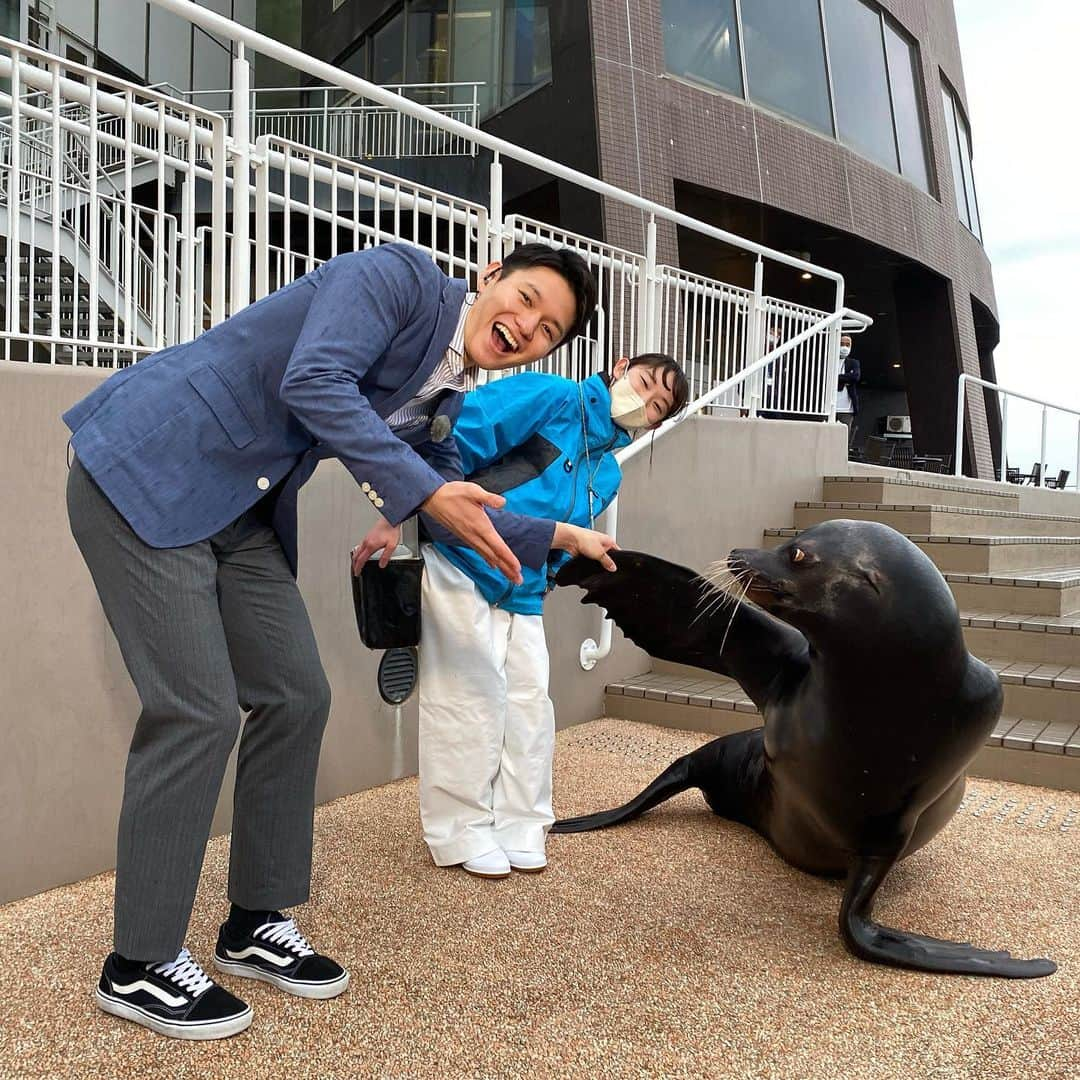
(797, 555)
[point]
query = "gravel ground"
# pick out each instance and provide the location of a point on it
(679, 945)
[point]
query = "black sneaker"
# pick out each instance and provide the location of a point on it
(277, 953)
(177, 999)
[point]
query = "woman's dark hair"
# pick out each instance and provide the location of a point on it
(571, 267)
(671, 375)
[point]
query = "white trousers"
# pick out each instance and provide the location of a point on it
(487, 725)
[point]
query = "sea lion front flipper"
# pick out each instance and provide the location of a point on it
(673, 614)
(885, 945)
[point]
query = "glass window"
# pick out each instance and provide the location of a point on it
(356, 63)
(427, 47)
(388, 53)
(701, 42)
(969, 176)
(211, 69)
(907, 112)
(9, 18)
(954, 156)
(526, 47)
(122, 34)
(860, 85)
(476, 49)
(76, 16)
(785, 59)
(170, 49)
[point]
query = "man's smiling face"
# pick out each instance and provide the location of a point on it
(519, 317)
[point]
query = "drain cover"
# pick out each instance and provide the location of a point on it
(397, 675)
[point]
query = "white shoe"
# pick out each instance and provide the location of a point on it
(528, 862)
(492, 864)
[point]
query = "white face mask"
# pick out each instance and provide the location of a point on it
(844, 351)
(628, 408)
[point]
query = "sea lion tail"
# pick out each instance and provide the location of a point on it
(674, 779)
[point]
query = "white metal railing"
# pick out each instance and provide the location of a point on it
(308, 204)
(1039, 478)
(592, 651)
(350, 127)
(90, 274)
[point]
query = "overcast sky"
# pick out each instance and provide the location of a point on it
(1022, 71)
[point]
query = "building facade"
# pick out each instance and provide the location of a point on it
(836, 129)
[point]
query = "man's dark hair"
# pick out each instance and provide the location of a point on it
(571, 267)
(671, 375)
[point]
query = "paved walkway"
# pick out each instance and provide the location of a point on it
(679, 945)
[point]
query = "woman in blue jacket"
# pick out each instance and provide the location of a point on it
(487, 725)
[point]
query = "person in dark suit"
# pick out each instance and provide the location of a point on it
(847, 388)
(182, 498)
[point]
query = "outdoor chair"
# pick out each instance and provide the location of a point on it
(1058, 481)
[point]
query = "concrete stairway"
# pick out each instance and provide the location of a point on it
(1016, 579)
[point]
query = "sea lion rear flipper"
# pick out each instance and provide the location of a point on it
(885, 945)
(674, 779)
(670, 612)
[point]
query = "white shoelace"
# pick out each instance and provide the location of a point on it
(286, 935)
(186, 973)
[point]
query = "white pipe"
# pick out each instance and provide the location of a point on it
(240, 286)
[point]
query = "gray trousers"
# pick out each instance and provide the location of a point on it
(205, 631)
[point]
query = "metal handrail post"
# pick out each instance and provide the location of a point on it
(1003, 475)
(961, 397)
(1041, 479)
(240, 285)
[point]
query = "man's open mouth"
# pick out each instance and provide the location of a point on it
(503, 341)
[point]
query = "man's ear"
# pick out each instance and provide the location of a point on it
(621, 367)
(489, 274)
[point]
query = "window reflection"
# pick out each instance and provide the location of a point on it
(959, 139)
(874, 69)
(785, 59)
(701, 42)
(388, 53)
(860, 85)
(526, 47)
(907, 113)
(475, 54)
(503, 44)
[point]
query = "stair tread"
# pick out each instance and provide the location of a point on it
(1053, 577)
(950, 538)
(1011, 620)
(972, 511)
(1012, 732)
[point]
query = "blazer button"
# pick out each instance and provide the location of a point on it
(365, 487)
(378, 502)
(263, 483)
(372, 496)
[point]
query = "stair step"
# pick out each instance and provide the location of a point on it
(980, 554)
(1025, 748)
(1038, 639)
(1054, 591)
(893, 490)
(933, 519)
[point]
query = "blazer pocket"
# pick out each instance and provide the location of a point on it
(217, 393)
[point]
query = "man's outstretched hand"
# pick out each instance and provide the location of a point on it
(459, 507)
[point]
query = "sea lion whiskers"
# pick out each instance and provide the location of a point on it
(724, 584)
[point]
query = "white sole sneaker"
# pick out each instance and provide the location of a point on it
(208, 1029)
(321, 991)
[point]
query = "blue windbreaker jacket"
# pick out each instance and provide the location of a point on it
(525, 437)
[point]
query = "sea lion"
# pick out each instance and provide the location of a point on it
(873, 708)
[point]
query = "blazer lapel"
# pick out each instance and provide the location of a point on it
(453, 297)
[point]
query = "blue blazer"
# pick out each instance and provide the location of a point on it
(185, 441)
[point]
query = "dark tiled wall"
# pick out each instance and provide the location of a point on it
(654, 129)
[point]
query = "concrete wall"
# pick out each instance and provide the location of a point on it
(67, 708)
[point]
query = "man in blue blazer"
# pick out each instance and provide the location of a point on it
(182, 498)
